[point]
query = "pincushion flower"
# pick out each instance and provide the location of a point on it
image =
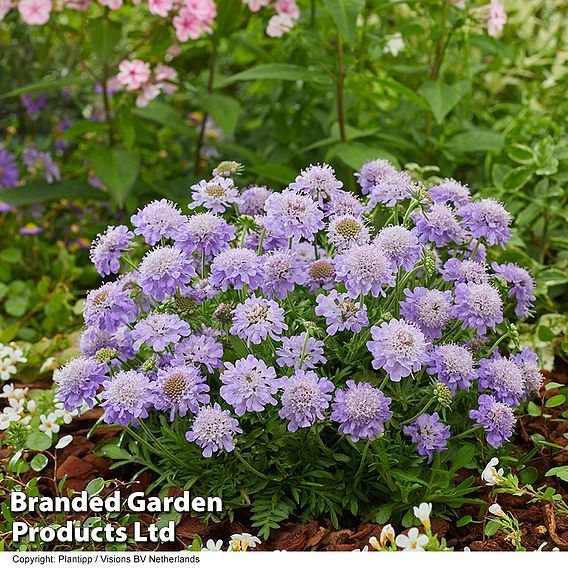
(282, 272)
(165, 270)
(216, 195)
(180, 389)
(237, 267)
(9, 172)
(317, 181)
(468, 271)
(252, 199)
(398, 347)
(429, 309)
(108, 247)
(522, 287)
(94, 339)
(343, 203)
(429, 434)
(41, 162)
(258, 318)
(77, 382)
(301, 352)
(527, 361)
(248, 385)
(497, 419)
(127, 397)
(341, 312)
(159, 330)
(364, 269)
(450, 192)
(486, 219)
(293, 214)
(361, 411)
(320, 274)
(158, 220)
(305, 398)
(199, 350)
(453, 365)
(213, 429)
(400, 245)
(390, 189)
(35, 12)
(108, 307)
(479, 306)
(205, 233)
(346, 230)
(438, 225)
(373, 172)
(503, 377)
(133, 74)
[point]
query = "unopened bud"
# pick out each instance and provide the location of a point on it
(223, 313)
(185, 306)
(443, 395)
(430, 262)
(150, 364)
(106, 354)
(228, 168)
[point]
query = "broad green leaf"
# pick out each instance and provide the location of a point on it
(344, 14)
(521, 154)
(38, 441)
(16, 306)
(275, 172)
(276, 71)
(45, 86)
(83, 127)
(64, 442)
(95, 486)
(516, 179)
(117, 169)
(554, 401)
(355, 154)
(476, 140)
(112, 451)
(561, 472)
(407, 93)
(491, 528)
(38, 462)
(104, 35)
(11, 255)
(528, 475)
(224, 110)
(464, 521)
(441, 97)
(166, 115)
(41, 191)
(228, 17)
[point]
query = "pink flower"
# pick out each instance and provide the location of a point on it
(195, 19)
(165, 75)
(494, 13)
(160, 7)
(133, 74)
(35, 12)
(279, 25)
(148, 93)
(204, 10)
(256, 5)
(5, 7)
(288, 7)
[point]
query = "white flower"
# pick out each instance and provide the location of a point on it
(16, 356)
(496, 510)
(60, 412)
(49, 424)
(240, 542)
(413, 542)
(213, 546)
(364, 549)
(394, 44)
(375, 543)
(422, 513)
(4, 421)
(7, 369)
(387, 534)
(50, 364)
(490, 474)
(31, 406)
(14, 394)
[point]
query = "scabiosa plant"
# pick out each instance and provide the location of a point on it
(258, 318)
(390, 189)
(398, 347)
(429, 309)
(320, 274)
(206, 233)
(479, 306)
(343, 203)
(503, 377)
(237, 267)
(159, 330)
(213, 429)
(215, 195)
(158, 220)
(282, 272)
(317, 181)
(78, 381)
(361, 411)
(9, 172)
(400, 245)
(467, 271)
(199, 350)
(346, 230)
(450, 192)
(108, 247)
(248, 385)
(496, 418)
(522, 285)
(486, 219)
(429, 434)
(305, 398)
(439, 225)
(252, 199)
(527, 361)
(373, 172)
(341, 312)
(453, 366)
(108, 307)
(301, 352)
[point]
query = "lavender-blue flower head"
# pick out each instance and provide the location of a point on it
(158, 220)
(282, 272)
(390, 189)
(258, 318)
(252, 199)
(36, 161)
(453, 365)
(503, 377)
(9, 172)
(429, 309)
(438, 225)
(343, 203)
(305, 398)
(216, 195)
(300, 352)
(450, 192)
(364, 269)
(93, 339)
(361, 410)
(200, 350)
(213, 430)
(165, 271)
(527, 361)
(108, 247)
(346, 230)
(400, 246)
(180, 389)
(248, 385)
(108, 307)
(429, 433)
(398, 347)
(159, 330)
(487, 219)
(237, 267)
(522, 285)
(317, 181)
(206, 233)
(496, 418)
(320, 274)
(341, 312)
(127, 397)
(373, 172)
(479, 306)
(468, 271)
(78, 381)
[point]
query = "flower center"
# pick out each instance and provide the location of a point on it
(348, 228)
(321, 269)
(174, 386)
(215, 190)
(258, 313)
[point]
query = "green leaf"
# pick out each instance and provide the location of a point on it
(464, 521)
(38, 441)
(64, 442)
(521, 154)
(224, 110)
(528, 475)
(276, 71)
(95, 486)
(518, 178)
(344, 14)
(355, 154)
(83, 127)
(275, 172)
(545, 333)
(39, 462)
(41, 191)
(104, 35)
(45, 86)
(112, 451)
(491, 528)
(556, 400)
(404, 91)
(166, 115)
(561, 472)
(476, 140)
(117, 169)
(17, 306)
(11, 255)
(441, 97)
(533, 409)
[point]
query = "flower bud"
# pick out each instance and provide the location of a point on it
(185, 306)
(443, 395)
(223, 313)
(150, 364)
(228, 168)
(106, 354)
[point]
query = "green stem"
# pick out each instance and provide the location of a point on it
(250, 467)
(466, 433)
(363, 458)
(340, 94)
